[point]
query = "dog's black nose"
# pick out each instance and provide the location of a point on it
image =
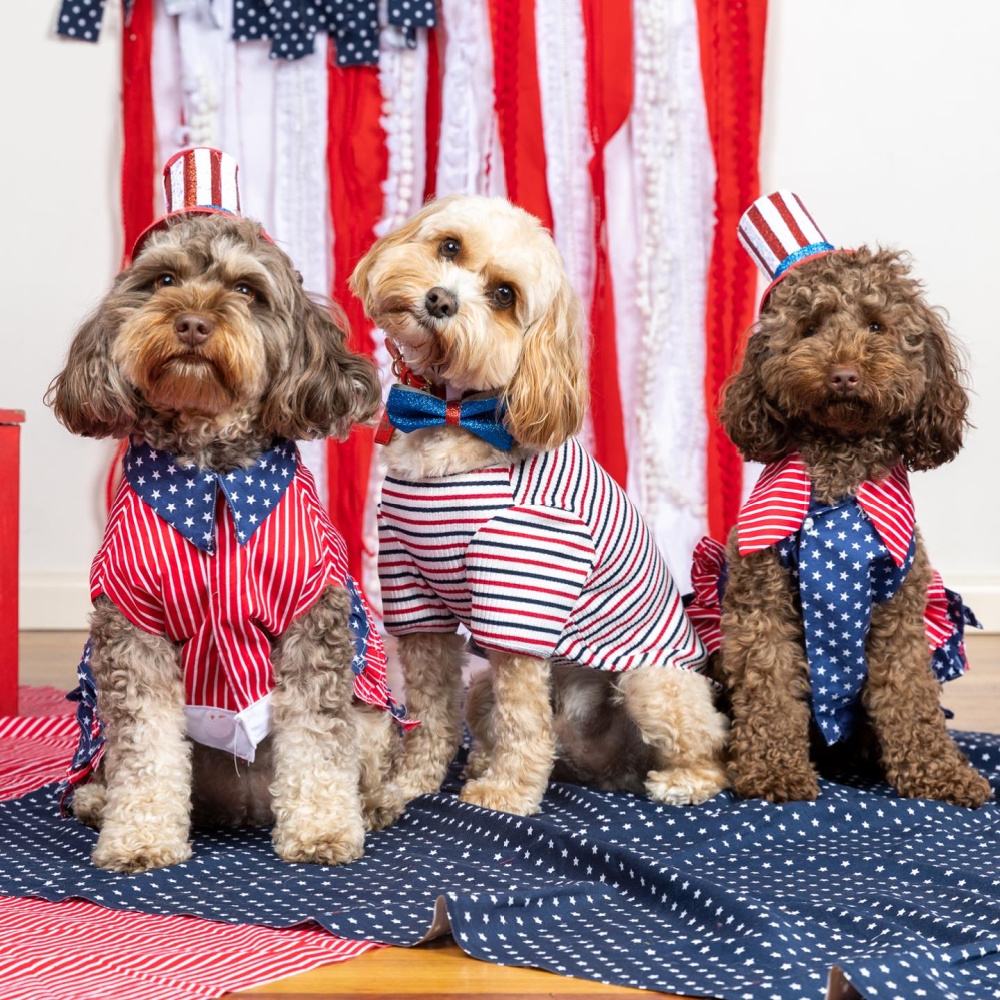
(844, 380)
(440, 302)
(193, 328)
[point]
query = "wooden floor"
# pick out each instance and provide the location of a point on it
(440, 968)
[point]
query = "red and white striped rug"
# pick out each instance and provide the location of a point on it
(76, 950)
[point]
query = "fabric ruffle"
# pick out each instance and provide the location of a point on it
(945, 617)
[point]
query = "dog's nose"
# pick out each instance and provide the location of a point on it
(193, 328)
(844, 380)
(440, 302)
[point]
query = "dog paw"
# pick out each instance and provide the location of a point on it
(412, 785)
(963, 786)
(332, 848)
(382, 807)
(491, 795)
(786, 783)
(477, 764)
(118, 855)
(88, 804)
(686, 786)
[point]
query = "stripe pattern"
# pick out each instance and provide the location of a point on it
(204, 178)
(226, 607)
(544, 557)
(778, 232)
(779, 502)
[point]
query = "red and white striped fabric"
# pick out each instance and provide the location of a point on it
(76, 950)
(543, 557)
(203, 179)
(778, 232)
(780, 501)
(226, 607)
(704, 605)
(35, 745)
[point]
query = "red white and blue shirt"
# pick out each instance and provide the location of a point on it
(222, 564)
(542, 557)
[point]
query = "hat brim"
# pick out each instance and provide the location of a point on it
(784, 274)
(161, 223)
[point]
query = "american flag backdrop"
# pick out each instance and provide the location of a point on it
(630, 129)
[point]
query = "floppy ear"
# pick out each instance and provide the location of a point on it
(932, 435)
(326, 387)
(547, 397)
(89, 396)
(753, 424)
(359, 278)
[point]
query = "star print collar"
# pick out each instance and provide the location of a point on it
(185, 495)
(780, 501)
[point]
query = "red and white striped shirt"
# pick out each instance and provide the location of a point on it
(228, 605)
(544, 557)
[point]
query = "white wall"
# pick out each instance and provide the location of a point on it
(59, 182)
(881, 115)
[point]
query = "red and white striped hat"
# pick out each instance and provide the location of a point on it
(198, 179)
(779, 233)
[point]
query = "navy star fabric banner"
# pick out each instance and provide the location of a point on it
(292, 25)
(736, 900)
(185, 496)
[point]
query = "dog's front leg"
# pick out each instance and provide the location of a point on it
(147, 762)
(902, 700)
(432, 675)
(767, 678)
(314, 794)
(524, 743)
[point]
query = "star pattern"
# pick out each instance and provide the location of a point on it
(842, 568)
(185, 496)
(734, 899)
(291, 25)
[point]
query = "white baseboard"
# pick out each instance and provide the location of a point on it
(54, 600)
(62, 600)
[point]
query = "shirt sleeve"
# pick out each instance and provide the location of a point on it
(526, 569)
(408, 603)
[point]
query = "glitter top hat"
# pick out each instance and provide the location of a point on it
(198, 179)
(779, 233)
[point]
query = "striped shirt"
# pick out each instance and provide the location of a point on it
(226, 600)
(544, 557)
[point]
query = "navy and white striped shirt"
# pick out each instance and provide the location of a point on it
(544, 557)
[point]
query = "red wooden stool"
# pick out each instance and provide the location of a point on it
(10, 469)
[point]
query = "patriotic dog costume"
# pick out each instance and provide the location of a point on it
(846, 558)
(544, 556)
(826, 609)
(220, 563)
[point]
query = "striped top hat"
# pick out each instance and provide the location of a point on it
(198, 179)
(779, 233)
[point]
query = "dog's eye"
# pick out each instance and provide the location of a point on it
(809, 331)
(503, 296)
(244, 289)
(875, 327)
(165, 281)
(449, 248)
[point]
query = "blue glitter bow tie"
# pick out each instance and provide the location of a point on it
(843, 568)
(410, 409)
(184, 495)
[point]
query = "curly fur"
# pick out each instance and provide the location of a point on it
(864, 312)
(275, 364)
(526, 717)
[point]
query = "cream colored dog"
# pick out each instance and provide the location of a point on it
(524, 539)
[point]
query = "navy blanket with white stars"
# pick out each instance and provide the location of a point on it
(742, 900)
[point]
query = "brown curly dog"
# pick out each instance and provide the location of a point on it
(848, 366)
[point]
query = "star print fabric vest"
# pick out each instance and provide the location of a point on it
(222, 564)
(843, 569)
